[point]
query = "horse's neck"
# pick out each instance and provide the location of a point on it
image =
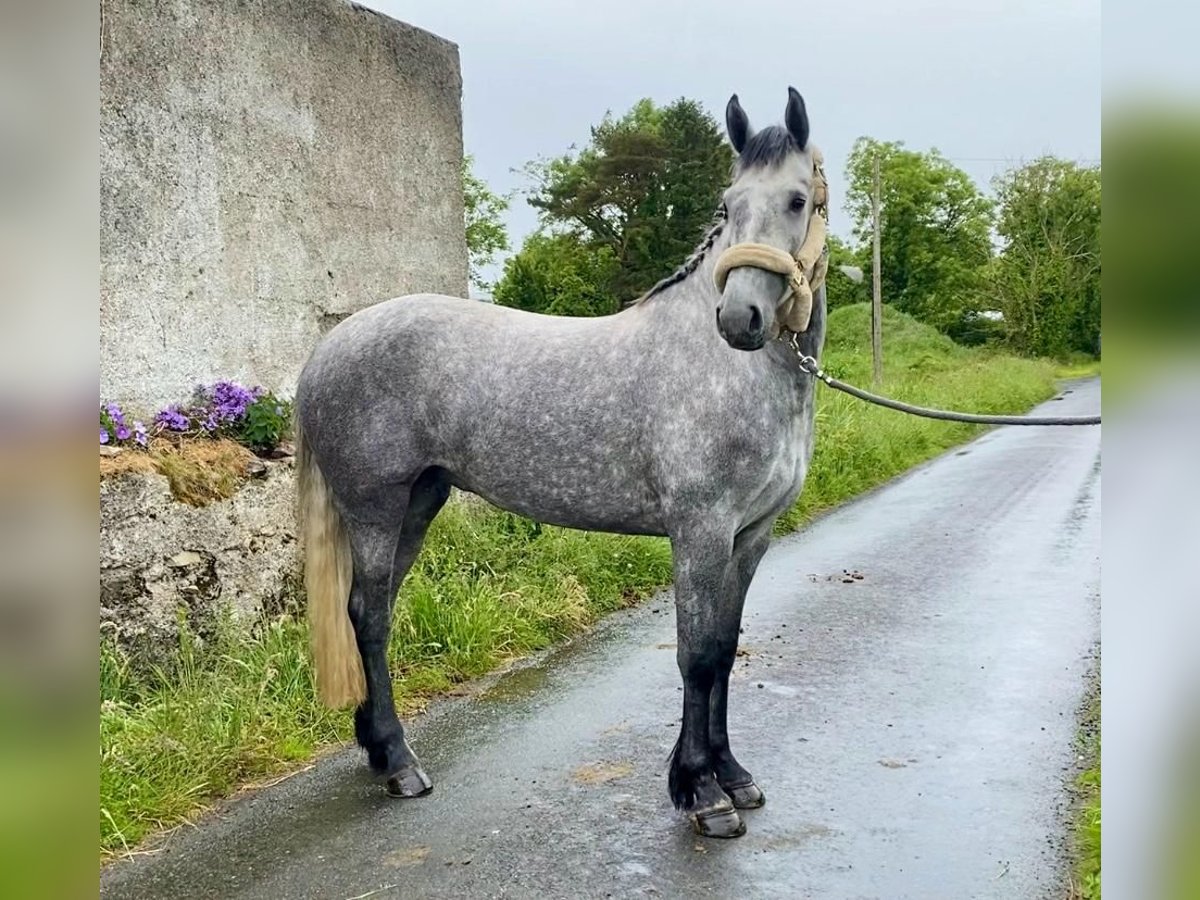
(688, 308)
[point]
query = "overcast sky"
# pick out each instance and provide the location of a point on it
(987, 82)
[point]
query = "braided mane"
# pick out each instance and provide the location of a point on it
(690, 264)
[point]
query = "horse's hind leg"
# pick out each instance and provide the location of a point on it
(734, 779)
(382, 557)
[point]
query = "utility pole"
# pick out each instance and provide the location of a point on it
(877, 288)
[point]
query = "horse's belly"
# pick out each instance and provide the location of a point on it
(591, 501)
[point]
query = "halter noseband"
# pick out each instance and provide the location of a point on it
(805, 272)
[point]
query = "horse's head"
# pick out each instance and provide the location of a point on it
(768, 211)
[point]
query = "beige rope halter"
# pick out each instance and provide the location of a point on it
(805, 272)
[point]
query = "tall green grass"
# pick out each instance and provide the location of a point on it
(489, 587)
(1087, 836)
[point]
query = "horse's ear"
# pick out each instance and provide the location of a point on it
(736, 123)
(796, 118)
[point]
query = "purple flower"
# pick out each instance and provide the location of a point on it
(172, 418)
(213, 408)
(139, 434)
(114, 413)
(104, 435)
(123, 433)
(228, 400)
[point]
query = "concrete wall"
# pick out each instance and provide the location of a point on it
(266, 168)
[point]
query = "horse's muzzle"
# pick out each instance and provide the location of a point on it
(742, 326)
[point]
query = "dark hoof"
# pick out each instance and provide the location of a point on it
(411, 781)
(746, 796)
(720, 821)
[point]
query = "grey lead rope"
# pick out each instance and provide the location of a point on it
(812, 367)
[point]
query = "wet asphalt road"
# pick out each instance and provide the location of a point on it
(912, 728)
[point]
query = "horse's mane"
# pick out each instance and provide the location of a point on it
(690, 264)
(768, 147)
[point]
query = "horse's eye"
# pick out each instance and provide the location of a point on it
(797, 203)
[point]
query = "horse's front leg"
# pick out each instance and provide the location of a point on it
(735, 780)
(703, 576)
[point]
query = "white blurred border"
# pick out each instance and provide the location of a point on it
(49, 521)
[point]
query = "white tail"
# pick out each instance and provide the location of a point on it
(328, 569)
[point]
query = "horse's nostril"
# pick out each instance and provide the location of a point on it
(756, 322)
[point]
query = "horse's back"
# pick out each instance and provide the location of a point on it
(443, 327)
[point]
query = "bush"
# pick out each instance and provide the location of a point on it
(264, 423)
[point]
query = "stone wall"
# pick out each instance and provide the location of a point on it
(266, 169)
(160, 557)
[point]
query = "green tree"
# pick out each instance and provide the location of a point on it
(486, 235)
(561, 275)
(1048, 274)
(935, 230)
(644, 190)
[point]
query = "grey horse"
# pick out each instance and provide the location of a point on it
(680, 416)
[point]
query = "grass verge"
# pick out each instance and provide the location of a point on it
(490, 587)
(1077, 365)
(1085, 879)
